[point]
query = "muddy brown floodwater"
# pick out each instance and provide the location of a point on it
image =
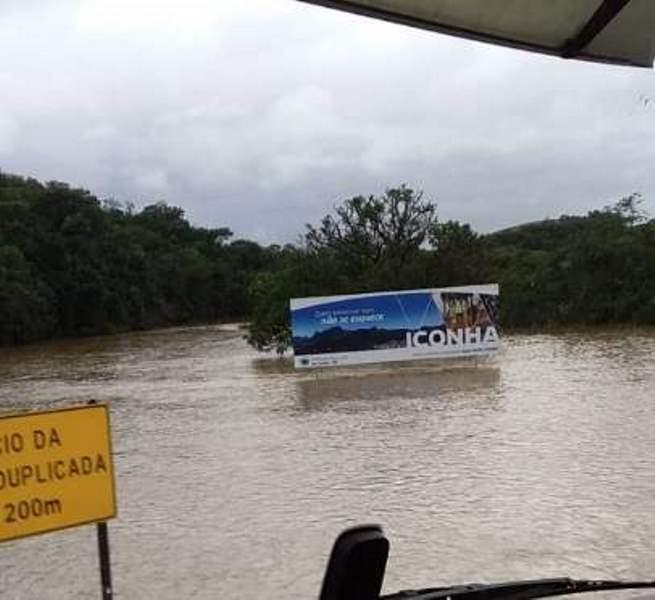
(235, 473)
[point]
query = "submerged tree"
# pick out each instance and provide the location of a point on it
(368, 243)
(365, 233)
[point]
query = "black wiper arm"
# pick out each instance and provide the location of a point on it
(519, 590)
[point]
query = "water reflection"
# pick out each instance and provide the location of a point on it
(440, 388)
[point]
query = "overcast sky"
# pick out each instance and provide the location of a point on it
(263, 114)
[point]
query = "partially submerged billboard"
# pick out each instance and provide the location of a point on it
(394, 326)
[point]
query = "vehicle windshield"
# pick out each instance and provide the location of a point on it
(317, 269)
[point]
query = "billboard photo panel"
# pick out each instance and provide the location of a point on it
(394, 326)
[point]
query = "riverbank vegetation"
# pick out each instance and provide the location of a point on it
(574, 270)
(71, 264)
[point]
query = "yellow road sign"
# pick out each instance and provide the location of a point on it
(56, 470)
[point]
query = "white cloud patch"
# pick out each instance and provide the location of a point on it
(9, 131)
(152, 180)
(262, 114)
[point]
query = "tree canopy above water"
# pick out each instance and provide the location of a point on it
(593, 269)
(73, 265)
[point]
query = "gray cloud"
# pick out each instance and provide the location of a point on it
(261, 115)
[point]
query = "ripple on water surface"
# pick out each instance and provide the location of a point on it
(236, 472)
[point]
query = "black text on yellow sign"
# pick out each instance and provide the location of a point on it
(56, 470)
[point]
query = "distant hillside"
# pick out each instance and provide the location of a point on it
(540, 235)
(597, 268)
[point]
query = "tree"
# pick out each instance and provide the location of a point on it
(371, 239)
(25, 302)
(460, 255)
(629, 209)
(269, 323)
(368, 243)
(71, 265)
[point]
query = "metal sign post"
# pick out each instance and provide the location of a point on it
(105, 563)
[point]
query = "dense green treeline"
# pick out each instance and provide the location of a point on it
(593, 269)
(73, 265)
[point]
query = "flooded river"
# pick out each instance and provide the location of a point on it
(235, 473)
